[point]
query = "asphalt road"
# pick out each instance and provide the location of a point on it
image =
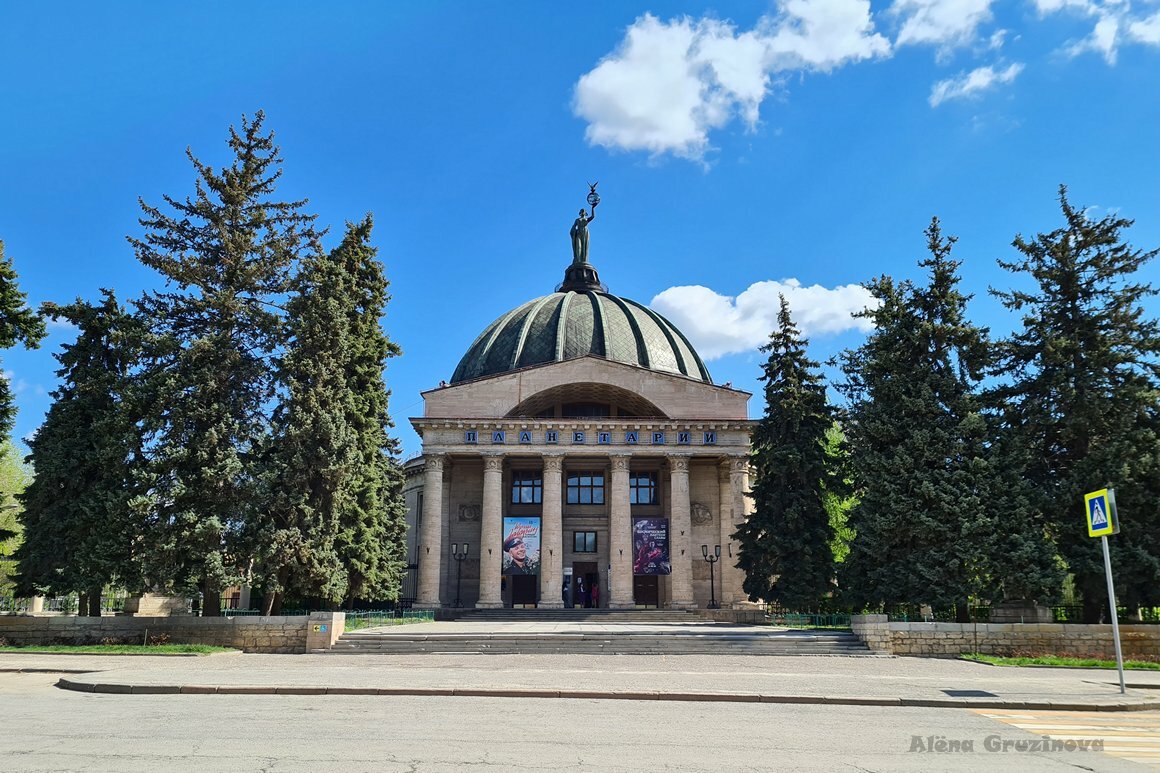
(47, 729)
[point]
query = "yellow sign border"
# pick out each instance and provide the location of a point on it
(1087, 510)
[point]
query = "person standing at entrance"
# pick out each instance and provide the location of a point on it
(581, 596)
(596, 595)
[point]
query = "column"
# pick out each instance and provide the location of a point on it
(552, 545)
(620, 536)
(491, 535)
(680, 534)
(728, 585)
(742, 507)
(431, 536)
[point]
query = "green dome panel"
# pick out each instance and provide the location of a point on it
(577, 323)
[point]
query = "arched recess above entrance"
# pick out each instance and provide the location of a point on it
(585, 400)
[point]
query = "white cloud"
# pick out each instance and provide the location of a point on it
(1046, 7)
(1146, 30)
(940, 22)
(1115, 25)
(720, 324)
(1104, 39)
(61, 325)
(670, 83)
(17, 385)
(972, 84)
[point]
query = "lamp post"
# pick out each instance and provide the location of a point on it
(459, 558)
(711, 559)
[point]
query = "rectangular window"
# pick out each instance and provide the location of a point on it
(583, 542)
(585, 488)
(642, 488)
(527, 487)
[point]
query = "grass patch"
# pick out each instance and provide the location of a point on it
(1060, 661)
(120, 649)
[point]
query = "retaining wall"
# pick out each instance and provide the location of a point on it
(948, 640)
(250, 634)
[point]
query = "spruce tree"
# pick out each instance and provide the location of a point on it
(78, 527)
(19, 324)
(930, 500)
(786, 549)
(226, 254)
(1082, 399)
(371, 542)
(313, 456)
(336, 527)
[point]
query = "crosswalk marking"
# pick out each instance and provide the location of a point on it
(1133, 736)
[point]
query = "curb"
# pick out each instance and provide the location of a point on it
(475, 692)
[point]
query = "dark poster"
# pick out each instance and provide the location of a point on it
(650, 542)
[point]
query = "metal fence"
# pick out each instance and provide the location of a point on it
(375, 617)
(807, 620)
(64, 605)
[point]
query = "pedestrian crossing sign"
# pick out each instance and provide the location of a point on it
(1100, 512)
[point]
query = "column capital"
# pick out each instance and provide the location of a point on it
(434, 461)
(492, 462)
(553, 462)
(679, 463)
(739, 464)
(620, 461)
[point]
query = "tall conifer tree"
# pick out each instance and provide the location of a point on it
(226, 254)
(786, 549)
(372, 541)
(931, 496)
(78, 527)
(19, 324)
(1083, 399)
(336, 529)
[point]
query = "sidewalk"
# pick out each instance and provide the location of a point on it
(770, 679)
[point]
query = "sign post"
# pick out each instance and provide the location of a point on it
(1102, 520)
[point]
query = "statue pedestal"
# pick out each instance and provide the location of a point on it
(581, 277)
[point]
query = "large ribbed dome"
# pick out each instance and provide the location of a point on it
(575, 323)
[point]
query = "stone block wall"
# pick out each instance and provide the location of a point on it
(249, 634)
(948, 640)
(874, 631)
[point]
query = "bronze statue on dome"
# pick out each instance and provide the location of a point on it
(579, 230)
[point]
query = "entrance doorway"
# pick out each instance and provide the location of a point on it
(524, 588)
(646, 590)
(585, 575)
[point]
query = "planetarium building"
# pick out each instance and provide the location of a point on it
(580, 455)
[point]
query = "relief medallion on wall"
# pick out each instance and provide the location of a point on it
(701, 514)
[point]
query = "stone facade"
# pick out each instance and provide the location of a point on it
(949, 640)
(249, 634)
(476, 440)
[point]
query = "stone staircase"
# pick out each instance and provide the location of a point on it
(599, 632)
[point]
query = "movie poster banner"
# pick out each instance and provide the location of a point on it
(521, 545)
(650, 541)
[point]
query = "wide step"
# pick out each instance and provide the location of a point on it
(708, 641)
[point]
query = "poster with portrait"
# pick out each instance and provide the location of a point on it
(521, 545)
(650, 543)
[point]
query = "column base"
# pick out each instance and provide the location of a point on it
(687, 605)
(550, 605)
(622, 605)
(489, 605)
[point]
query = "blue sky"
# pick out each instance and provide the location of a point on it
(741, 149)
